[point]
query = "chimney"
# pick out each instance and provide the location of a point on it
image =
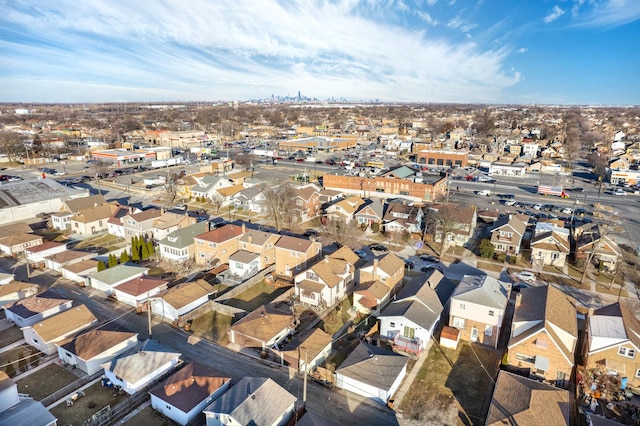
(518, 300)
(244, 228)
(250, 239)
(375, 266)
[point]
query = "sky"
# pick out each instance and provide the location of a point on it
(450, 51)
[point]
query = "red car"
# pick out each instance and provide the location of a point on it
(299, 160)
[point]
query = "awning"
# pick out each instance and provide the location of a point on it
(310, 286)
(542, 363)
(368, 303)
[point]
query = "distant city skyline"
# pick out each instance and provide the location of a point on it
(440, 51)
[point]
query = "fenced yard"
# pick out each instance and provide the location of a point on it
(10, 335)
(213, 326)
(255, 296)
(14, 361)
(96, 398)
(149, 417)
(45, 381)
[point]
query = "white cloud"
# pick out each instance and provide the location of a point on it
(236, 49)
(432, 2)
(522, 50)
(427, 18)
(606, 13)
(553, 14)
(459, 23)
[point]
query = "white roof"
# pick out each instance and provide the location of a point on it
(605, 326)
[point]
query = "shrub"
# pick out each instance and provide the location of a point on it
(100, 266)
(486, 248)
(375, 227)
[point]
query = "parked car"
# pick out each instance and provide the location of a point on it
(360, 254)
(428, 258)
(620, 192)
(409, 264)
(510, 202)
(526, 276)
(519, 286)
(310, 233)
(431, 267)
(182, 207)
(378, 247)
(484, 192)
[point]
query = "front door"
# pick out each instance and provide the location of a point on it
(474, 334)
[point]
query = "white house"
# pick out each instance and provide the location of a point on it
(477, 308)
(30, 310)
(15, 409)
(137, 290)
(244, 263)
(326, 282)
(409, 320)
(89, 350)
(182, 299)
(136, 368)
(107, 279)
(36, 255)
(16, 290)
(43, 335)
(79, 271)
(372, 372)
(252, 401)
(187, 392)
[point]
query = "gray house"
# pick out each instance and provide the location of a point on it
(178, 246)
(107, 279)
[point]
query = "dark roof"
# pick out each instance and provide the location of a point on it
(27, 412)
(38, 303)
(373, 365)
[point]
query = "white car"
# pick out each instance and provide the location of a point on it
(182, 207)
(509, 202)
(526, 276)
(620, 191)
(537, 207)
(567, 210)
(484, 192)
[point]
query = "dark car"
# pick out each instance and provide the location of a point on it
(378, 247)
(310, 233)
(409, 264)
(428, 258)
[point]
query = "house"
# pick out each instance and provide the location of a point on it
(188, 391)
(307, 350)
(91, 220)
(408, 321)
(372, 211)
(90, 349)
(294, 254)
(208, 185)
(140, 366)
(30, 310)
(326, 282)
(179, 245)
(79, 271)
(107, 279)
(372, 372)
(263, 328)
(16, 244)
(612, 341)
(251, 199)
(521, 401)
(16, 290)
(61, 219)
(6, 278)
(477, 308)
(459, 227)
(305, 202)
(215, 247)
(378, 280)
(257, 401)
(344, 210)
(36, 255)
(140, 224)
(136, 291)
(170, 222)
(114, 223)
(43, 335)
(592, 240)
(403, 218)
(16, 409)
(56, 262)
(182, 299)
(262, 243)
(244, 264)
(329, 196)
(544, 333)
(507, 233)
(549, 245)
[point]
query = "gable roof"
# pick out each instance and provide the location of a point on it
(259, 238)
(329, 270)
(92, 214)
(140, 285)
(519, 400)
(183, 237)
(36, 304)
(265, 322)
(189, 386)
(94, 342)
(254, 401)
(141, 361)
(15, 287)
(182, 294)
(375, 366)
(390, 263)
(305, 192)
(288, 242)
(373, 207)
(312, 341)
(64, 323)
(82, 203)
(346, 254)
(483, 290)
(146, 215)
(222, 234)
(170, 219)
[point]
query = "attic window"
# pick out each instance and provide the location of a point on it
(173, 239)
(627, 352)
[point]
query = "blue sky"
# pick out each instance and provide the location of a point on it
(488, 51)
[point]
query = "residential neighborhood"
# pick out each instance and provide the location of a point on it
(436, 266)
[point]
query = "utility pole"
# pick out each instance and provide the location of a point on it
(26, 261)
(306, 372)
(149, 314)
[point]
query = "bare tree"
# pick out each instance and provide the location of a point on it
(12, 145)
(441, 223)
(279, 202)
(345, 234)
(216, 201)
(571, 148)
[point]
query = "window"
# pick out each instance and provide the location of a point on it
(491, 313)
(525, 358)
(409, 332)
(298, 202)
(168, 406)
(555, 255)
(393, 325)
(462, 306)
(458, 322)
(638, 374)
(488, 330)
(629, 353)
(541, 343)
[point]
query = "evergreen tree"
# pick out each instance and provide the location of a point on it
(100, 266)
(124, 257)
(135, 253)
(113, 261)
(150, 248)
(144, 252)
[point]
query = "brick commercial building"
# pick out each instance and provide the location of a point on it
(443, 158)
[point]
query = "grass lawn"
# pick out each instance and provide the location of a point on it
(212, 326)
(45, 382)
(451, 387)
(604, 288)
(256, 296)
(149, 417)
(97, 397)
(489, 265)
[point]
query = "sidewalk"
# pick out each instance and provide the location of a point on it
(408, 380)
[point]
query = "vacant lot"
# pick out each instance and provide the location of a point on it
(149, 417)
(213, 326)
(96, 398)
(452, 386)
(255, 296)
(45, 381)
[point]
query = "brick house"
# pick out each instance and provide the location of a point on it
(378, 280)
(293, 255)
(544, 333)
(306, 202)
(217, 245)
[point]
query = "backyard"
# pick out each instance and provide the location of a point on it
(452, 386)
(255, 296)
(149, 417)
(96, 398)
(16, 359)
(45, 381)
(212, 326)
